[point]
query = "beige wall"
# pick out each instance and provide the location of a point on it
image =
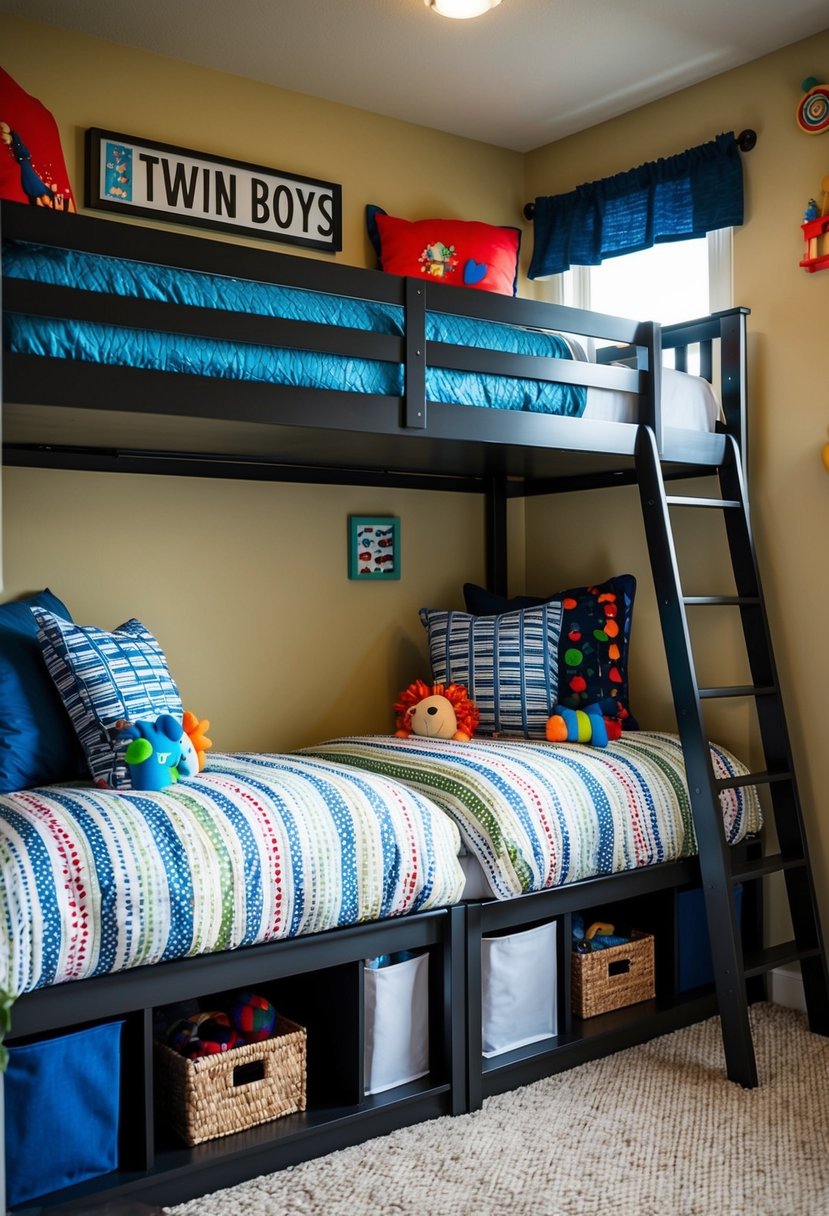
(789, 383)
(264, 631)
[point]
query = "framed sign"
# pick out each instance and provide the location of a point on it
(159, 181)
(373, 547)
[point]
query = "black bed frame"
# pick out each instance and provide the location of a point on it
(83, 416)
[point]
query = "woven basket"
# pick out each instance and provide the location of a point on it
(217, 1095)
(610, 979)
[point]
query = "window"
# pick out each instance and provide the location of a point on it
(673, 281)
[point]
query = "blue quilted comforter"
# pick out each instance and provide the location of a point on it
(101, 343)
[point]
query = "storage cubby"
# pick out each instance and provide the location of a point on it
(643, 900)
(70, 1083)
(519, 988)
(317, 982)
(396, 1034)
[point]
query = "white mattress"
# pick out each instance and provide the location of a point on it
(688, 402)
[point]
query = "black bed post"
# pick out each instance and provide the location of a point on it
(734, 375)
(496, 534)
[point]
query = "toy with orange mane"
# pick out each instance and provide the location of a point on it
(437, 711)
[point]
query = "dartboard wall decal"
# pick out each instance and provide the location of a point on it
(813, 107)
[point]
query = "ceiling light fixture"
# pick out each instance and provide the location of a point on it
(461, 9)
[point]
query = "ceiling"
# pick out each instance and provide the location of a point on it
(525, 74)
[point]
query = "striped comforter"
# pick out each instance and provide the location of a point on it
(539, 815)
(254, 849)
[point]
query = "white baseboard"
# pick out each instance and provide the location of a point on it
(786, 988)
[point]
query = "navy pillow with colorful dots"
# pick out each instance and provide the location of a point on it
(594, 642)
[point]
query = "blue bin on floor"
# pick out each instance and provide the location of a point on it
(695, 967)
(61, 1111)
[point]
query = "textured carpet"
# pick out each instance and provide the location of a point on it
(652, 1131)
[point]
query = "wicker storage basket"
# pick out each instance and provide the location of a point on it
(217, 1095)
(610, 979)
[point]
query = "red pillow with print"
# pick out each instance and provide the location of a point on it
(32, 168)
(465, 253)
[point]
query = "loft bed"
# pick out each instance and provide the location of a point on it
(257, 427)
(72, 399)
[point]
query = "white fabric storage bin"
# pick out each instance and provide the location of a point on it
(518, 980)
(397, 1024)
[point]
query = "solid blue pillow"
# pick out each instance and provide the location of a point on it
(38, 743)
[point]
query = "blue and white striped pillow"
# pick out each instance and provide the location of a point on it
(509, 664)
(102, 677)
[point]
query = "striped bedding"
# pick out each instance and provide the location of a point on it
(256, 848)
(538, 815)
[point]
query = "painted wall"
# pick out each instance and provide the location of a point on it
(262, 628)
(789, 385)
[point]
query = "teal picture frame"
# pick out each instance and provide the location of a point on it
(373, 548)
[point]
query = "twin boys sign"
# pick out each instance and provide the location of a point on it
(160, 181)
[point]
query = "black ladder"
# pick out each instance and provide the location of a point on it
(720, 873)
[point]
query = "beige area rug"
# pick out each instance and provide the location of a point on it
(652, 1131)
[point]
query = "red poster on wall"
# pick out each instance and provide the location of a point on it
(32, 168)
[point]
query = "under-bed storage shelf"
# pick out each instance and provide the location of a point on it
(315, 981)
(644, 899)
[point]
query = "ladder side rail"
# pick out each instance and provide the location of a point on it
(785, 798)
(757, 636)
(726, 946)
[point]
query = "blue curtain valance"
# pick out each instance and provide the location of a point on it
(672, 199)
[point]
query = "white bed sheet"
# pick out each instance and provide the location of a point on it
(688, 402)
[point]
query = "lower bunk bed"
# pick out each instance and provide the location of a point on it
(298, 878)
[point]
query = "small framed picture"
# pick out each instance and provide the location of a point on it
(373, 547)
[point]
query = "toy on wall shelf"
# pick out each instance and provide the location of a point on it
(815, 228)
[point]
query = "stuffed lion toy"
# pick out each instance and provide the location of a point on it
(436, 711)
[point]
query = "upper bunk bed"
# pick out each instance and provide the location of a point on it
(136, 349)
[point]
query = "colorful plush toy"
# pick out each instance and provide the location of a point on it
(588, 725)
(196, 730)
(160, 753)
(253, 1016)
(154, 752)
(437, 711)
(203, 1034)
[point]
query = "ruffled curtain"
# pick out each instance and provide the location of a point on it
(672, 199)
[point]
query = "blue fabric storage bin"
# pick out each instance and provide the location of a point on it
(61, 1107)
(695, 967)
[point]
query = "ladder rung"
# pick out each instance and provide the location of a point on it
(763, 777)
(677, 500)
(740, 601)
(758, 962)
(739, 690)
(745, 871)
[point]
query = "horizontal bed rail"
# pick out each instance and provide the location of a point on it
(284, 422)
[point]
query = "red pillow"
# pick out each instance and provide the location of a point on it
(32, 168)
(465, 253)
